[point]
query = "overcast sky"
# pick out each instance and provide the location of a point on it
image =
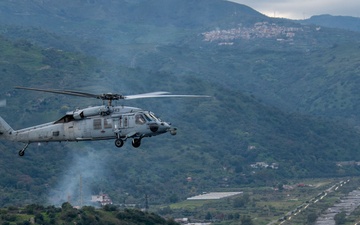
(303, 9)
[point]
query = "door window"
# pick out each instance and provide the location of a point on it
(139, 119)
(107, 123)
(97, 124)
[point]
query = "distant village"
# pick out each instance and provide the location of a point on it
(259, 30)
(265, 165)
(102, 199)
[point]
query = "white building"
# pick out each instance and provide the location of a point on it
(103, 199)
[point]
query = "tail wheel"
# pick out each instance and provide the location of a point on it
(136, 143)
(21, 153)
(119, 143)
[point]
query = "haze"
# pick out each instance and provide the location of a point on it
(303, 9)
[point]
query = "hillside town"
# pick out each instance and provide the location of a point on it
(258, 30)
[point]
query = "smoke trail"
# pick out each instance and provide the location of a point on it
(77, 182)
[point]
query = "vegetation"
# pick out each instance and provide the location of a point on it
(246, 130)
(282, 107)
(296, 203)
(67, 214)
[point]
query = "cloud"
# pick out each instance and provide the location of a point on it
(303, 9)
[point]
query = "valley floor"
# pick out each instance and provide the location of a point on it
(313, 201)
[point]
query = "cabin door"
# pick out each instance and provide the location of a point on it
(69, 130)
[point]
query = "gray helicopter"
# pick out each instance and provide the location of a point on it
(95, 123)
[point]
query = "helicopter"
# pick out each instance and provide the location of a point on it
(96, 122)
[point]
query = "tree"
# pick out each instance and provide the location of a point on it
(39, 218)
(246, 220)
(241, 201)
(340, 218)
(110, 208)
(208, 216)
(68, 212)
(66, 206)
(311, 218)
(173, 198)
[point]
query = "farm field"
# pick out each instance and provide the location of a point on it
(297, 202)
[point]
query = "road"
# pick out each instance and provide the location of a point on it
(347, 204)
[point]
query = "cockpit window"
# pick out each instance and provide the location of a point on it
(153, 116)
(139, 119)
(148, 117)
(65, 119)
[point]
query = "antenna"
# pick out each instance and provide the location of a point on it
(146, 202)
(80, 189)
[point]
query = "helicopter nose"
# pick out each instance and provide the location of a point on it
(165, 126)
(173, 130)
(169, 128)
(154, 127)
(160, 127)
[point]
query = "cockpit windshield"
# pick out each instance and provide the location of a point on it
(148, 117)
(151, 116)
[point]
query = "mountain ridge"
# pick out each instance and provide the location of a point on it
(140, 12)
(340, 22)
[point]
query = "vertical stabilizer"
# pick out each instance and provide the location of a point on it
(5, 129)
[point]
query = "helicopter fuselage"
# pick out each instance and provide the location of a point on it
(95, 123)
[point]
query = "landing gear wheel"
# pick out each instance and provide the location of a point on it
(136, 143)
(22, 151)
(119, 143)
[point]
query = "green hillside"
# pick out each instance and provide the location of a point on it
(283, 95)
(38, 214)
(297, 68)
(217, 142)
(314, 73)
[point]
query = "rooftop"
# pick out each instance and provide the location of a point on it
(214, 195)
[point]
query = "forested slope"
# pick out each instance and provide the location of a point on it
(67, 214)
(217, 141)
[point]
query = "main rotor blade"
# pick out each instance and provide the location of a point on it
(145, 95)
(65, 92)
(110, 96)
(162, 95)
(107, 96)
